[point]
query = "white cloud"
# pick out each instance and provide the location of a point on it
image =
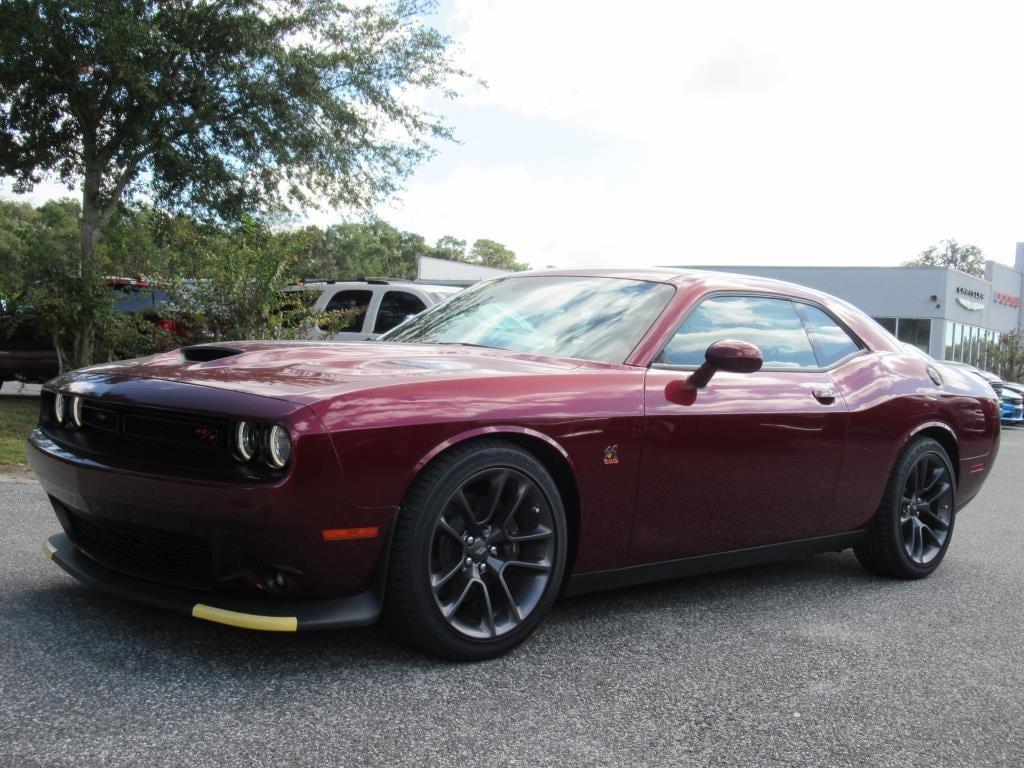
(547, 222)
(41, 192)
(773, 132)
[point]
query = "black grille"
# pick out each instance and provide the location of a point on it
(155, 438)
(191, 432)
(172, 558)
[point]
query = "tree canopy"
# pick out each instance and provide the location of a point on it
(227, 280)
(220, 109)
(488, 253)
(950, 253)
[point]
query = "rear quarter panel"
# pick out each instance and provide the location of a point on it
(891, 398)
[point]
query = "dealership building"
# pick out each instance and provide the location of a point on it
(949, 314)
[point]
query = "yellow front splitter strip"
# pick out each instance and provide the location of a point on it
(245, 620)
(224, 616)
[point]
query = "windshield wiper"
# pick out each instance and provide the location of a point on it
(463, 344)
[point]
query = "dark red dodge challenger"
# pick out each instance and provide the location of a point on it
(535, 435)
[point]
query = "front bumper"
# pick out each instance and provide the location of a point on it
(271, 616)
(240, 530)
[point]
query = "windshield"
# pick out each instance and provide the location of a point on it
(590, 318)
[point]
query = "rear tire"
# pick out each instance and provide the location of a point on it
(478, 552)
(913, 528)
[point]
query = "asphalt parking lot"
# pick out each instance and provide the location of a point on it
(811, 662)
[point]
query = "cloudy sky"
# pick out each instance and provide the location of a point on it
(729, 132)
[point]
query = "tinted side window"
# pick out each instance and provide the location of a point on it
(771, 324)
(352, 307)
(394, 308)
(830, 342)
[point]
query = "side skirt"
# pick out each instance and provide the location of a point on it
(581, 583)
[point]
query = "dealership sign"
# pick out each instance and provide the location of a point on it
(1007, 299)
(969, 298)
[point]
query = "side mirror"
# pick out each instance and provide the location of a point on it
(726, 355)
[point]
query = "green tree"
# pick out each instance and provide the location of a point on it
(1008, 356)
(136, 243)
(218, 108)
(238, 276)
(41, 277)
(950, 253)
(355, 250)
(488, 253)
(449, 247)
(17, 221)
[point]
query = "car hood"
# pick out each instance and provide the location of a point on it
(306, 372)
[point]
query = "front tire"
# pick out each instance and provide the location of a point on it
(912, 530)
(478, 552)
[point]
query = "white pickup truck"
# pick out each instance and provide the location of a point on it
(380, 305)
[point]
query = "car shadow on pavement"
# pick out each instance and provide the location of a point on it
(69, 620)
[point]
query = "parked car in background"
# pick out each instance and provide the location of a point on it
(1014, 387)
(534, 435)
(25, 353)
(988, 377)
(368, 308)
(1013, 403)
(28, 355)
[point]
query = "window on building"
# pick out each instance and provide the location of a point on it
(958, 342)
(970, 344)
(914, 331)
(971, 353)
(889, 323)
(910, 330)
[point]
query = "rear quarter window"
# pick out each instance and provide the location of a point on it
(830, 341)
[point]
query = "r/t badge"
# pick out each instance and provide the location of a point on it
(611, 454)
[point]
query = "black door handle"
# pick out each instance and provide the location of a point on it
(824, 396)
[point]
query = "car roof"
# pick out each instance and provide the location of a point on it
(320, 285)
(703, 281)
(709, 279)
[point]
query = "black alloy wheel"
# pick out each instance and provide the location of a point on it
(478, 552)
(492, 553)
(926, 509)
(914, 525)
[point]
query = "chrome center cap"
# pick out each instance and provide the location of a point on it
(478, 549)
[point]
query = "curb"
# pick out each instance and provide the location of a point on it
(20, 389)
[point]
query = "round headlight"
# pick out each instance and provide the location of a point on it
(246, 440)
(59, 408)
(76, 411)
(279, 447)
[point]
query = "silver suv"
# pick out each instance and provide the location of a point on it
(380, 305)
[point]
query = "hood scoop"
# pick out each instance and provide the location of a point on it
(206, 354)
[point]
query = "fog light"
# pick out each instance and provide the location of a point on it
(76, 411)
(59, 408)
(279, 447)
(274, 580)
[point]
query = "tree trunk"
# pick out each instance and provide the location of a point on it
(82, 342)
(84, 336)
